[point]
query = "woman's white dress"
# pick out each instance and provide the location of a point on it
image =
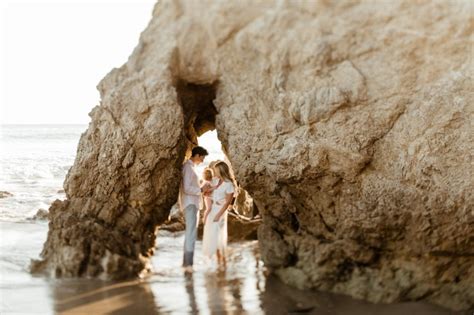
(215, 233)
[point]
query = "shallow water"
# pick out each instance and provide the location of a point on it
(242, 288)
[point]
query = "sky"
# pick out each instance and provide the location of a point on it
(54, 53)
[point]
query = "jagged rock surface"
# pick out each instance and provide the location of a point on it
(350, 124)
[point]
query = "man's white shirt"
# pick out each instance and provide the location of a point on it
(190, 190)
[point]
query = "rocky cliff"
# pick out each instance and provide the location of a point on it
(350, 124)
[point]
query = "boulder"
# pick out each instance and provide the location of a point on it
(41, 214)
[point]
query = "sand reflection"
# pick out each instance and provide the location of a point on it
(83, 296)
(241, 288)
(223, 295)
(189, 284)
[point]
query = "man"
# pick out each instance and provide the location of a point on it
(190, 198)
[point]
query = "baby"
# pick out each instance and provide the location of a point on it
(206, 184)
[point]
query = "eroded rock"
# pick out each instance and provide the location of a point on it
(350, 124)
(41, 214)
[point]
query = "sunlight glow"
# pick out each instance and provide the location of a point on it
(53, 54)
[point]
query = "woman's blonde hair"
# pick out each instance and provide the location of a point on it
(225, 173)
(208, 173)
(213, 163)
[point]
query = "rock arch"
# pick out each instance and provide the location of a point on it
(349, 123)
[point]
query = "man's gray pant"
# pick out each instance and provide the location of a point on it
(191, 218)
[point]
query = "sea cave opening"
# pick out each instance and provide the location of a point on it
(199, 111)
(243, 219)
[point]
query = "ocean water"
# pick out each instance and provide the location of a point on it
(34, 160)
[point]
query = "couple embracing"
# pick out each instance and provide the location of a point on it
(217, 190)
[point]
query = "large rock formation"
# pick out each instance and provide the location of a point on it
(350, 124)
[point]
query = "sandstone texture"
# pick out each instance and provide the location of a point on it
(349, 124)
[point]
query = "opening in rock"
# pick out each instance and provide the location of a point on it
(198, 108)
(200, 129)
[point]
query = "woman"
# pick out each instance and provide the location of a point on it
(215, 229)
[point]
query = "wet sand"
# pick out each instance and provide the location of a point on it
(242, 288)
